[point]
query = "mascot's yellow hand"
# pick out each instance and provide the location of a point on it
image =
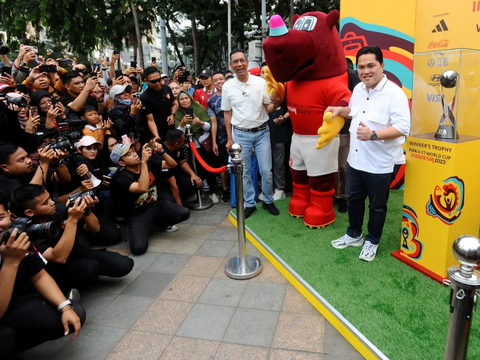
(275, 89)
(329, 129)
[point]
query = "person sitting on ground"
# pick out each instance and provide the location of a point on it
(71, 264)
(136, 194)
(96, 128)
(29, 319)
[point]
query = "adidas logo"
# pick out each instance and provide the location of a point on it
(440, 27)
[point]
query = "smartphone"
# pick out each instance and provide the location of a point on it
(190, 112)
(65, 63)
(151, 145)
(96, 65)
(115, 52)
(48, 68)
(118, 73)
(34, 111)
(93, 74)
(135, 97)
(21, 88)
(107, 178)
(154, 59)
(34, 49)
(6, 70)
(133, 64)
(55, 100)
(108, 59)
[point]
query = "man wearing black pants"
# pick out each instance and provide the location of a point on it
(69, 263)
(134, 189)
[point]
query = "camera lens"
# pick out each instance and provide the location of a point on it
(17, 100)
(4, 49)
(75, 135)
(45, 230)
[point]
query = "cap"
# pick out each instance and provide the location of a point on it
(86, 141)
(254, 71)
(6, 86)
(118, 151)
(206, 73)
(39, 136)
(118, 89)
(163, 76)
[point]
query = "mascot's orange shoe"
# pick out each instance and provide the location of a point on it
(300, 200)
(320, 211)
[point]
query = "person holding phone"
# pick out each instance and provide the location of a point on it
(191, 112)
(47, 111)
(124, 111)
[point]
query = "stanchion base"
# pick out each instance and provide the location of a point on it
(235, 271)
(206, 203)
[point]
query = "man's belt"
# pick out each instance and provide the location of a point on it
(253, 130)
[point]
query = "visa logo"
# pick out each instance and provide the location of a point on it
(433, 97)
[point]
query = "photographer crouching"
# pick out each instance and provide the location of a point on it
(28, 318)
(70, 263)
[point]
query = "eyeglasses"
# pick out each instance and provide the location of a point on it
(44, 103)
(241, 61)
(155, 81)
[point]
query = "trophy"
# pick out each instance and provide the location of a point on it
(448, 80)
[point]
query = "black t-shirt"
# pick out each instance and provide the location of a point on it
(123, 122)
(278, 132)
(159, 104)
(126, 202)
(67, 99)
(178, 156)
(11, 183)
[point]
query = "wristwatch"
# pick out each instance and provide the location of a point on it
(374, 135)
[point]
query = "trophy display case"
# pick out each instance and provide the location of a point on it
(446, 95)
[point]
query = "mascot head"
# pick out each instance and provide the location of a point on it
(310, 51)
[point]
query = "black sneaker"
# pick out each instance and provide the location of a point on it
(225, 195)
(271, 208)
(342, 206)
(249, 211)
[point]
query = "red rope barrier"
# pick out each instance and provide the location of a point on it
(203, 163)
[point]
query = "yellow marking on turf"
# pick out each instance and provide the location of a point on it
(337, 324)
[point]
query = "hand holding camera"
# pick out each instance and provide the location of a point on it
(82, 170)
(136, 107)
(76, 207)
(86, 185)
(90, 84)
(46, 155)
(147, 152)
(32, 123)
(13, 250)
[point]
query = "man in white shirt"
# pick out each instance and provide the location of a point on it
(245, 105)
(380, 121)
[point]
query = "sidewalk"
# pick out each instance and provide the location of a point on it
(177, 303)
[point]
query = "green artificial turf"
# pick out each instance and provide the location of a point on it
(403, 312)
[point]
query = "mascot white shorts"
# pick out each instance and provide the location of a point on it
(304, 156)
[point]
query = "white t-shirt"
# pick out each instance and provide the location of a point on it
(384, 106)
(246, 101)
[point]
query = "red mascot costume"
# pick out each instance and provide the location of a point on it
(310, 60)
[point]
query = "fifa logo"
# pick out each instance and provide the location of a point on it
(447, 200)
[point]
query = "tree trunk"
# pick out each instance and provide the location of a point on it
(133, 42)
(139, 36)
(195, 45)
(292, 6)
(174, 41)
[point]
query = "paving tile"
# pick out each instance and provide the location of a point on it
(214, 219)
(168, 263)
(270, 274)
(216, 248)
(251, 250)
(204, 266)
(223, 292)
(227, 222)
(295, 302)
(140, 345)
(185, 288)
(263, 296)
(47, 351)
(194, 216)
(252, 327)
(163, 317)
(160, 245)
(336, 344)
(189, 349)
(199, 232)
(122, 312)
(235, 352)
(158, 234)
(115, 285)
(148, 284)
(93, 343)
(300, 332)
(220, 273)
(224, 233)
(207, 322)
(279, 354)
(95, 301)
(187, 246)
(143, 261)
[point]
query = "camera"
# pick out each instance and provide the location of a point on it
(4, 49)
(50, 229)
(68, 137)
(73, 197)
(16, 99)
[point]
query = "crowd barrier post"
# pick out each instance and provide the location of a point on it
(242, 266)
(203, 202)
(464, 281)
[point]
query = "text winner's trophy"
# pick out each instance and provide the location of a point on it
(448, 80)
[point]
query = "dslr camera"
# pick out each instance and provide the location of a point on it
(50, 229)
(4, 49)
(73, 197)
(68, 137)
(15, 99)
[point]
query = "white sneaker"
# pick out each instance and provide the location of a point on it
(346, 241)
(368, 252)
(279, 195)
(171, 228)
(260, 196)
(214, 198)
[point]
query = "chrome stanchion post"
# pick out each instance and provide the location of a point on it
(242, 266)
(465, 281)
(203, 201)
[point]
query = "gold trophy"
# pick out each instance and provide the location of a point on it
(448, 80)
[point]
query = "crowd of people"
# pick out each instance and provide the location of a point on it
(83, 149)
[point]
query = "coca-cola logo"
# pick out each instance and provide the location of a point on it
(438, 44)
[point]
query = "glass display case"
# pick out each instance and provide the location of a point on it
(446, 95)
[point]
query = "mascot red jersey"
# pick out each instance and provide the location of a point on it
(309, 59)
